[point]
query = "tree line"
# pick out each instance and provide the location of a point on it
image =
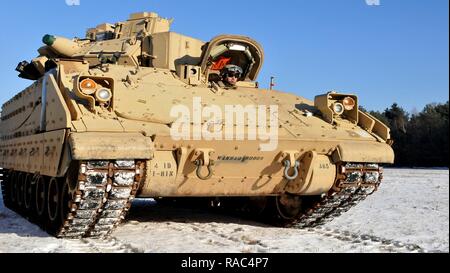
(420, 139)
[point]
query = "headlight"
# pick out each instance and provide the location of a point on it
(88, 86)
(103, 95)
(349, 103)
(338, 108)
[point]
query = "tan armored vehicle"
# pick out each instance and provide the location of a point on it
(134, 110)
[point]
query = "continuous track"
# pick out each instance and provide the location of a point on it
(90, 202)
(96, 196)
(354, 186)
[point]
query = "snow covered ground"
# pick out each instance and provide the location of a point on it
(410, 213)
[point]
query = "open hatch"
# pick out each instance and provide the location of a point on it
(232, 49)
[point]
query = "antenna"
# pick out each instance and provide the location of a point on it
(272, 83)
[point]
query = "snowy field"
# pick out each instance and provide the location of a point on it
(410, 213)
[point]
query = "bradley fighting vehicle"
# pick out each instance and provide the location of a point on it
(96, 129)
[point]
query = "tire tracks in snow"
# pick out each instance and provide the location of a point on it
(245, 241)
(367, 240)
(364, 241)
(108, 245)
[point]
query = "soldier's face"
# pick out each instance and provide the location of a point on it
(232, 80)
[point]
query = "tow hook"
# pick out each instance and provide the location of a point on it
(202, 158)
(287, 167)
(200, 164)
(289, 160)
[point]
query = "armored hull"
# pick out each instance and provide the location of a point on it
(135, 110)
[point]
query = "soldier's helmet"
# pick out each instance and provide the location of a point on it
(232, 70)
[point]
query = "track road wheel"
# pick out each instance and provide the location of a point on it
(41, 198)
(53, 204)
(29, 194)
(66, 201)
(288, 206)
(282, 210)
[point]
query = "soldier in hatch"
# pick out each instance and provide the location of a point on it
(231, 74)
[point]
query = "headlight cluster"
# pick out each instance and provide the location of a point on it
(90, 87)
(347, 104)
